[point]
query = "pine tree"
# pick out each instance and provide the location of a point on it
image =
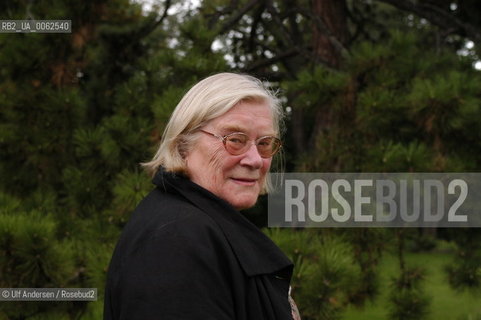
(383, 91)
(79, 113)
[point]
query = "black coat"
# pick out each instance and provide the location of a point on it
(187, 254)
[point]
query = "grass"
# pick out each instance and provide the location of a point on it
(446, 303)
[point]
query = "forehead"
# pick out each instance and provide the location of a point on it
(247, 116)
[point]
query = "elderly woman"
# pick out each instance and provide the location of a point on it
(187, 252)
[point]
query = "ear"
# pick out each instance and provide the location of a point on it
(182, 146)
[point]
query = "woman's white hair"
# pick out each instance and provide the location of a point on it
(207, 100)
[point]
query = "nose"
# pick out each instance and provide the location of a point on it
(252, 158)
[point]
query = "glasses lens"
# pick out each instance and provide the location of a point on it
(235, 143)
(268, 146)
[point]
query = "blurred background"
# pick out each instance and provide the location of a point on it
(367, 86)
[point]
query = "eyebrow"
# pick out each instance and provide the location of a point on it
(233, 128)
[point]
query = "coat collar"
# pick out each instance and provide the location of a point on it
(257, 254)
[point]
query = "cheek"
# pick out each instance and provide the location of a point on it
(225, 163)
(266, 164)
(219, 164)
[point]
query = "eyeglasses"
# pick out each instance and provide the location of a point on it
(236, 144)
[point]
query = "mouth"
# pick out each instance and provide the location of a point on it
(244, 181)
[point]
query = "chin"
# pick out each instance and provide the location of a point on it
(244, 204)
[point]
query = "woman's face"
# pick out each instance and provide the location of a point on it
(238, 179)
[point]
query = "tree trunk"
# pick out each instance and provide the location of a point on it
(330, 32)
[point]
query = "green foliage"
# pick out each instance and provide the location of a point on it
(464, 272)
(408, 299)
(331, 83)
(32, 256)
(325, 275)
(367, 245)
(80, 111)
(396, 106)
(398, 157)
(78, 115)
(129, 189)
